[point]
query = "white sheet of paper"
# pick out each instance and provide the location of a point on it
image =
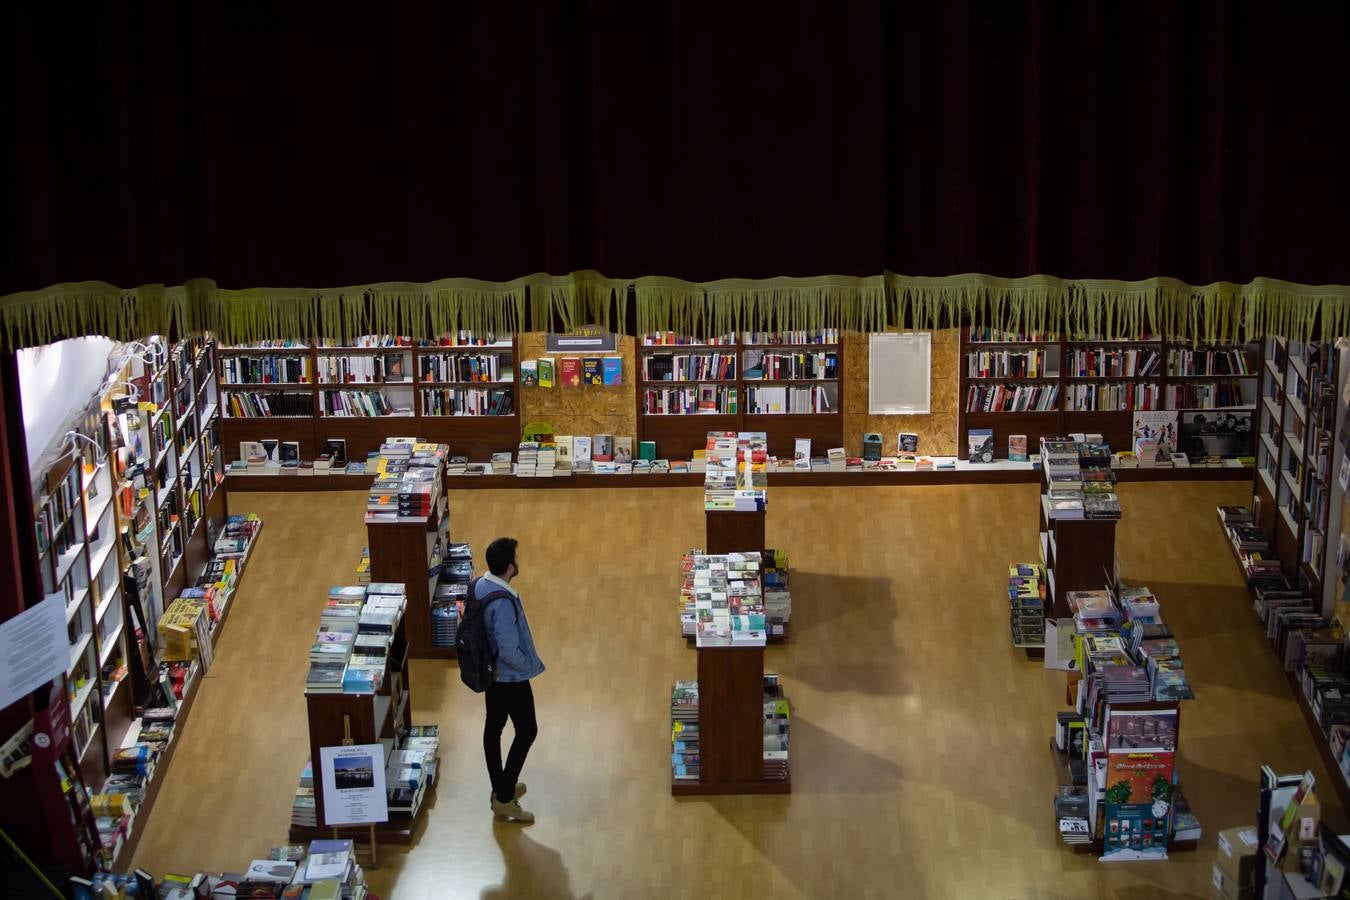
(360, 798)
(33, 648)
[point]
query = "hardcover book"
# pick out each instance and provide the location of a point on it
(591, 373)
(647, 450)
(546, 372)
(602, 448)
(529, 372)
(1017, 447)
(906, 445)
(571, 371)
(623, 449)
(980, 445)
(871, 446)
(613, 370)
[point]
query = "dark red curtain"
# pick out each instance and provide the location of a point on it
(285, 144)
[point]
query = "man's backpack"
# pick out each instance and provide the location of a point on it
(477, 661)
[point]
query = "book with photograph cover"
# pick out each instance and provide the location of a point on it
(906, 445)
(1017, 447)
(980, 445)
(546, 372)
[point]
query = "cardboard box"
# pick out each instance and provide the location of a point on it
(1237, 856)
(1224, 888)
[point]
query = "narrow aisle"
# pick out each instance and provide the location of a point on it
(919, 737)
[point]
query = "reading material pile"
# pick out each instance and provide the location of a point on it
(752, 479)
(303, 812)
(1026, 602)
(527, 459)
(235, 540)
(777, 597)
(351, 649)
(777, 712)
(411, 770)
(447, 603)
(728, 601)
(719, 477)
(684, 755)
(407, 480)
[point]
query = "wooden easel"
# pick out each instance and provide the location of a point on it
(374, 846)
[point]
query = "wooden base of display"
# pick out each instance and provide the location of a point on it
(432, 653)
(733, 532)
(698, 789)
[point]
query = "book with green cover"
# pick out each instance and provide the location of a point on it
(647, 450)
(545, 369)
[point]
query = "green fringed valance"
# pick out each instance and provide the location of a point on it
(1219, 312)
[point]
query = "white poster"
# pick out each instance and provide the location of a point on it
(33, 648)
(353, 785)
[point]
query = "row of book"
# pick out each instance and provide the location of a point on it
(1206, 395)
(321, 870)
(268, 404)
(452, 592)
(1080, 482)
(279, 369)
(768, 401)
(131, 771)
(736, 473)
(686, 751)
(705, 399)
(1112, 397)
(360, 404)
(408, 483)
(1100, 362)
(762, 366)
(1026, 604)
(738, 599)
(1011, 398)
(468, 402)
(817, 336)
(1011, 364)
(1208, 362)
(689, 367)
(356, 645)
(727, 599)
(456, 367)
(572, 371)
(364, 368)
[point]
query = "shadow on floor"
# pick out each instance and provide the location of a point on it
(846, 611)
(532, 869)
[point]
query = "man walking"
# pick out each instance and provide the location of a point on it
(510, 696)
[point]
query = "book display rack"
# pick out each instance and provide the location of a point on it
(411, 546)
(1079, 553)
(1037, 385)
(357, 692)
(784, 384)
(461, 390)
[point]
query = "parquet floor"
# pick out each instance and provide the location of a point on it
(919, 758)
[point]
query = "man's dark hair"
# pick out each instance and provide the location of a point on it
(501, 553)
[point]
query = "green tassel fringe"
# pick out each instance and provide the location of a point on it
(1214, 313)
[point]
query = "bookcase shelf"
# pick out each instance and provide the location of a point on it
(677, 434)
(477, 436)
(1115, 425)
(400, 552)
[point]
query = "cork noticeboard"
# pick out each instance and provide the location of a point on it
(588, 409)
(936, 430)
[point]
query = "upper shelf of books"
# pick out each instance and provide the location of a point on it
(824, 337)
(466, 340)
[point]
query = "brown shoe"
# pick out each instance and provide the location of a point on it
(520, 792)
(511, 812)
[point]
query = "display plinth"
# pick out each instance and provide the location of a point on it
(731, 725)
(400, 553)
(734, 532)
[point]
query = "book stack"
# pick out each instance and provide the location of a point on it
(1093, 611)
(777, 597)
(411, 770)
(501, 463)
(1071, 814)
(684, 756)
(456, 465)
(1026, 600)
(1139, 605)
(752, 457)
(777, 715)
(728, 602)
(185, 632)
(447, 607)
(399, 448)
(719, 478)
(333, 641)
(1126, 684)
(1235, 515)
(418, 493)
(236, 538)
(546, 460)
(527, 457)
(303, 811)
(330, 870)
(363, 567)
(688, 608)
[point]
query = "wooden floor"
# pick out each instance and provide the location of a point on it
(919, 760)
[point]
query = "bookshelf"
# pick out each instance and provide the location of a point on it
(1296, 427)
(1079, 554)
(379, 716)
(785, 384)
(410, 553)
(461, 390)
(1029, 383)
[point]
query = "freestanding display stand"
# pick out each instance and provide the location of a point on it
(734, 532)
(401, 553)
(731, 725)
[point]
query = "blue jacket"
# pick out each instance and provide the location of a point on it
(509, 632)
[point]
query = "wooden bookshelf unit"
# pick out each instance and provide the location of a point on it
(769, 375)
(401, 552)
(422, 378)
(1040, 386)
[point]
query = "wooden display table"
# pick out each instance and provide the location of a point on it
(400, 552)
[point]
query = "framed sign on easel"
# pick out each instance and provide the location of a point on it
(353, 787)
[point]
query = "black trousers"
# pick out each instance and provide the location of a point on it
(512, 700)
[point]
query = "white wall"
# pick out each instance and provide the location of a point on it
(56, 382)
